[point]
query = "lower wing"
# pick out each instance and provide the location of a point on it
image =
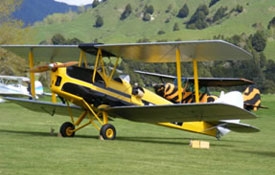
(47, 107)
(180, 112)
(149, 114)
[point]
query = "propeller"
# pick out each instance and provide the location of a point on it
(52, 66)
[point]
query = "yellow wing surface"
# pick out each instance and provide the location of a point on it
(201, 50)
(46, 53)
(159, 52)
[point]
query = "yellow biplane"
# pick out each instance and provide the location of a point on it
(97, 94)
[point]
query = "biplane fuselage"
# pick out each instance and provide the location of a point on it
(75, 84)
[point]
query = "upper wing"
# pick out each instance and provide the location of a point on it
(47, 107)
(180, 112)
(201, 50)
(206, 81)
(48, 53)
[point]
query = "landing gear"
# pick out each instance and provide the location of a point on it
(108, 132)
(96, 117)
(67, 129)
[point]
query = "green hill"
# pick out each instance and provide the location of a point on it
(255, 16)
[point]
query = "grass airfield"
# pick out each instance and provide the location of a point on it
(27, 146)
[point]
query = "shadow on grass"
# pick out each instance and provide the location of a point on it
(33, 133)
(172, 140)
(43, 134)
(141, 139)
(261, 153)
(156, 140)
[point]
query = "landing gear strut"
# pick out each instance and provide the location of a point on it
(107, 131)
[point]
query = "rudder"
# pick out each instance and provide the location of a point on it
(252, 98)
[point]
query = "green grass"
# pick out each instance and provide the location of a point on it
(27, 147)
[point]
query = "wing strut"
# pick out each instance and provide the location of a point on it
(196, 80)
(82, 59)
(178, 65)
(98, 56)
(32, 78)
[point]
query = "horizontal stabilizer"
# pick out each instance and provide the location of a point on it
(239, 127)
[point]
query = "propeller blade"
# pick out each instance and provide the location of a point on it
(53, 66)
(67, 64)
(40, 69)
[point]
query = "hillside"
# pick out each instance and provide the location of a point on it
(37, 11)
(255, 16)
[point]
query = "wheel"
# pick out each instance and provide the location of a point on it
(66, 129)
(108, 132)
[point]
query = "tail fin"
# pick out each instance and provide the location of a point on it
(252, 98)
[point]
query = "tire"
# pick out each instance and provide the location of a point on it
(65, 129)
(108, 132)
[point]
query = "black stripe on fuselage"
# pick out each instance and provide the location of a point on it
(95, 97)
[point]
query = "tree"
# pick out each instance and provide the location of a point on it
(258, 41)
(58, 39)
(127, 11)
(149, 9)
(220, 13)
(74, 41)
(95, 3)
(213, 2)
(271, 23)
(270, 70)
(238, 8)
(183, 12)
(169, 8)
(198, 19)
(176, 27)
(11, 30)
(99, 21)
